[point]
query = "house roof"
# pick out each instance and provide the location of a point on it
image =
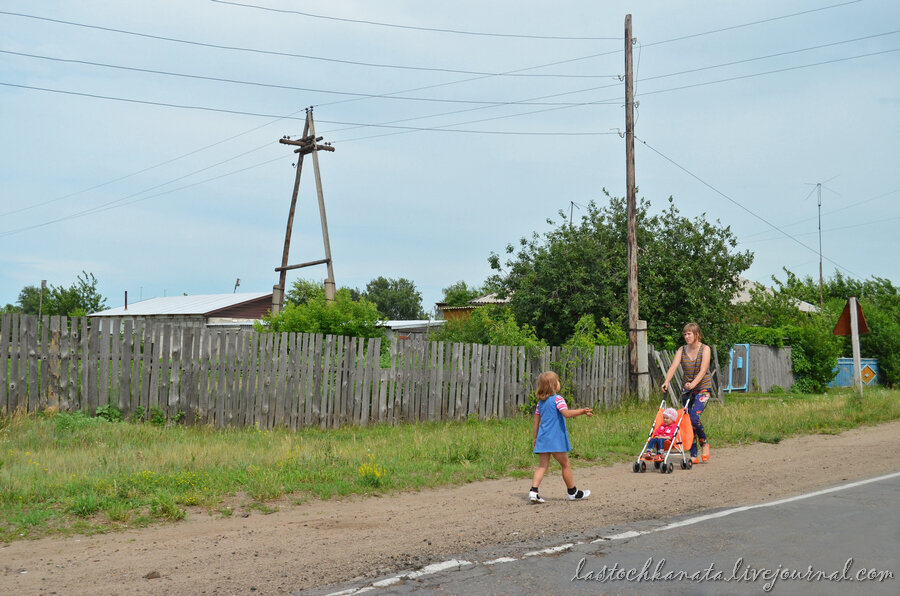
(401, 325)
(743, 295)
(200, 304)
(489, 299)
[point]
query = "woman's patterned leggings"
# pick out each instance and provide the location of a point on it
(695, 402)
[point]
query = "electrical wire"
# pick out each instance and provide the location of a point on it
(267, 85)
(287, 54)
(738, 204)
(416, 28)
(768, 72)
(813, 218)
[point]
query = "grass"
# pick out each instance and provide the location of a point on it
(70, 473)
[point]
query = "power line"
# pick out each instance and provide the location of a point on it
(270, 85)
(352, 124)
(776, 55)
(837, 229)
(417, 28)
(760, 22)
(285, 54)
(844, 208)
(738, 204)
(118, 202)
(768, 72)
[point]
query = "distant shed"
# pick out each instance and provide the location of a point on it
(201, 310)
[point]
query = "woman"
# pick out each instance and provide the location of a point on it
(694, 360)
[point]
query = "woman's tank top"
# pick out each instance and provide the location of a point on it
(692, 367)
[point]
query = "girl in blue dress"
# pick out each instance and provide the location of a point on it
(551, 436)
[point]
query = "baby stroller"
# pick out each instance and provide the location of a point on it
(683, 439)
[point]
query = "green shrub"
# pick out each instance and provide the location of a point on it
(814, 355)
(157, 416)
(110, 413)
(137, 416)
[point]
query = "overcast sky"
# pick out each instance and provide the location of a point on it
(139, 140)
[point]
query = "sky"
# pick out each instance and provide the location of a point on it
(139, 140)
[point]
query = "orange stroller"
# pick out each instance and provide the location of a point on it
(683, 439)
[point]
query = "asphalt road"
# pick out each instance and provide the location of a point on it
(839, 541)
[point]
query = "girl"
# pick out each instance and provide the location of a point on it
(550, 436)
(694, 360)
(664, 432)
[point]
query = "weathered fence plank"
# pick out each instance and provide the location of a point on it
(231, 378)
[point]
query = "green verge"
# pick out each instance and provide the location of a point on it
(70, 473)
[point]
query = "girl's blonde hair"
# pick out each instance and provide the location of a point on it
(546, 385)
(695, 329)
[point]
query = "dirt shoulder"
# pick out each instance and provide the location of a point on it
(322, 543)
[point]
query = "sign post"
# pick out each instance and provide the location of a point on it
(852, 322)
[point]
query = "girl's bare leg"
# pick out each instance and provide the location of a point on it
(568, 477)
(543, 464)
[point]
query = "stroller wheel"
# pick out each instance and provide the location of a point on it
(671, 467)
(689, 464)
(636, 467)
(643, 467)
(656, 465)
(663, 469)
(684, 465)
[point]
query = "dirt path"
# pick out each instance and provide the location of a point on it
(322, 543)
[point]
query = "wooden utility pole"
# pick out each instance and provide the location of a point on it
(307, 144)
(631, 209)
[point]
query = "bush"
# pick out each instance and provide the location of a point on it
(814, 355)
(110, 413)
(488, 325)
(883, 342)
(344, 316)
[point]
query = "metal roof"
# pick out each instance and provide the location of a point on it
(743, 295)
(199, 304)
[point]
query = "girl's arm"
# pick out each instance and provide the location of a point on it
(671, 372)
(704, 366)
(534, 431)
(572, 413)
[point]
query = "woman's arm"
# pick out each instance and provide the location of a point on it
(671, 372)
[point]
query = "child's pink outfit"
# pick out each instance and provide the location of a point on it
(664, 432)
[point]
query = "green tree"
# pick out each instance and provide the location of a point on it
(488, 325)
(396, 299)
(79, 299)
(344, 316)
(459, 294)
(880, 301)
(688, 271)
(304, 290)
(29, 300)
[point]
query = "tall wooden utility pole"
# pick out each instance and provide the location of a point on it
(307, 144)
(631, 208)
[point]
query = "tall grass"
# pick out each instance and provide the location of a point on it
(68, 473)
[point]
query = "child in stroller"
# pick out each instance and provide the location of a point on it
(670, 433)
(664, 433)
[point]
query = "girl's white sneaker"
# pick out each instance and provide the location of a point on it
(534, 497)
(580, 495)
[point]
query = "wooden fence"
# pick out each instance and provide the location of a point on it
(294, 380)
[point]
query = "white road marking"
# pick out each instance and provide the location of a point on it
(456, 564)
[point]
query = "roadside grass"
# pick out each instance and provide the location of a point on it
(70, 473)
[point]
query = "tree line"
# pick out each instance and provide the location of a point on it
(568, 287)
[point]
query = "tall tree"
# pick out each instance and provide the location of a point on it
(688, 270)
(459, 293)
(79, 299)
(396, 299)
